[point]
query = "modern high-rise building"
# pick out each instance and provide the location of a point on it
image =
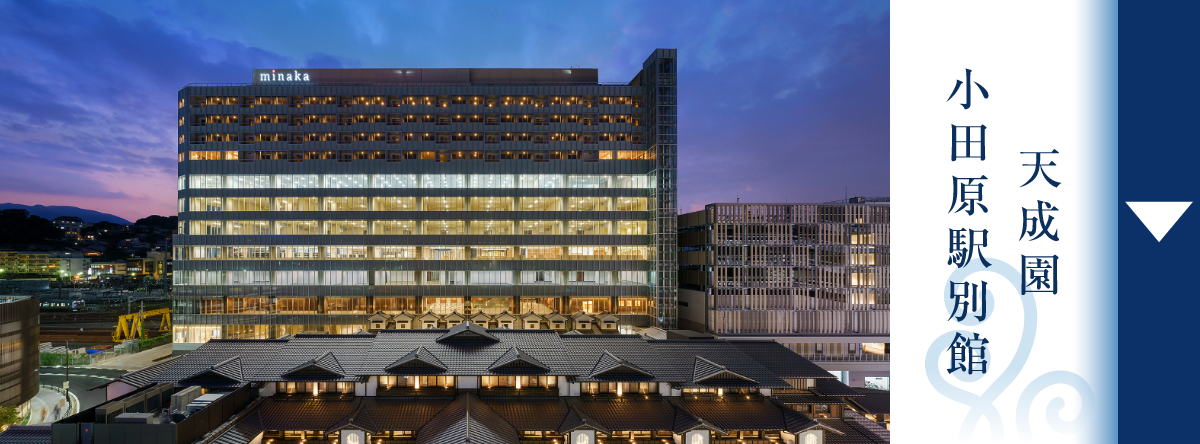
(814, 277)
(341, 199)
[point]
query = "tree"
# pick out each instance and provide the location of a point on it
(17, 226)
(9, 415)
(163, 222)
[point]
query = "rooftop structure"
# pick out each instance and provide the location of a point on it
(470, 384)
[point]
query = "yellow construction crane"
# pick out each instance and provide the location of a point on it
(130, 326)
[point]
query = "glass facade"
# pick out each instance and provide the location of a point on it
(313, 206)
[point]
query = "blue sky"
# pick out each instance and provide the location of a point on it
(779, 101)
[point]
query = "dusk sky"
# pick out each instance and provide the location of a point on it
(778, 101)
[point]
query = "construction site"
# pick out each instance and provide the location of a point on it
(106, 322)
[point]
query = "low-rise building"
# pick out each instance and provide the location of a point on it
(70, 225)
(470, 384)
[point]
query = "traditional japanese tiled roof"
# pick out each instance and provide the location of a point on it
(627, 413)
(465, 357)
(34, 434)
(807, 399)
(455, 317)
(322, 368)
(530, 413)
(781, 361)
(833, 387)
(467, 332)
(378, 317)
(244, 430)
(607, 317)
(576, 419)
(847, 433)
(582, 317)
(588, 350)
(227, 373)
(430, 316)
(686, 421)
(557, 317)
(515, 361)
(144, 377)
(361, 419)
(530, 316)
(403, 317)
(467, 420)
(873, 401)
(505, 316)
(481, 317)
(726, 365)
(418, 361)
(610, 367)
(254, 354)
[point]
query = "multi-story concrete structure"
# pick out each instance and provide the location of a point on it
(70, 225)
(312, 199)
(814, 277)
(19, 361)
(27, 262)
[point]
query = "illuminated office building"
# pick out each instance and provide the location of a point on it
(343, 199)
(814, 277)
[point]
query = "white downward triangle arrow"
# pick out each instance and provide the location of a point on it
(1159, 217)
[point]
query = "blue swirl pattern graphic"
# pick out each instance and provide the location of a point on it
(981, 406)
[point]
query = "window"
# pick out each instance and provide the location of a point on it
(540, 227)
(541, 278)
(633, 306)
(394, 181)
(346, 204)
(588, 203)
(623, 181)
(541, 253)
(205, 227)
(396, 277)
(345, 181)
(491, 181)
(491, 278)
(345, 277)
(443, 204)
(443, 181)
(588, 181)
(444, 253)
(296, 181)
(539, 204)
(491, 203)
(541, 181)
(297, 227)
(489, 382)
(444, 227)
(203, 181)
(583, 227)
(249, 252)
(297, 204)
(631, 227)
(247, 204)
(395, 253)
(343, 305)
(394, 227)
(207, 204)
(632, 278)
(345, 227)
(630, 203)
(490, 253)
(296, 278)
(490, 227)
(589, 277)
(345, 252)
(394, 204)
(296, 252)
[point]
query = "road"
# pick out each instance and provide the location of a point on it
(82, 379)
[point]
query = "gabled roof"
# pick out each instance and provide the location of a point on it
(781, 361)
(403, 317)
(873, 401)
(505, 316)
(361, 419)
(222, 374)
(682, 354)
(607, 317)
(378, 317)
(833, 387)
(517, 361)
(686, 421)
(467, 333)
(429, 316)
(557, 317)
(531, 316)
(481, 317)
(421, 361)
(467, 420)
(576, 419)
(582, 317)
(325, 366)
(609, 366)
(573, 332)
(705, 370)
(255, 354)
(455, 317)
